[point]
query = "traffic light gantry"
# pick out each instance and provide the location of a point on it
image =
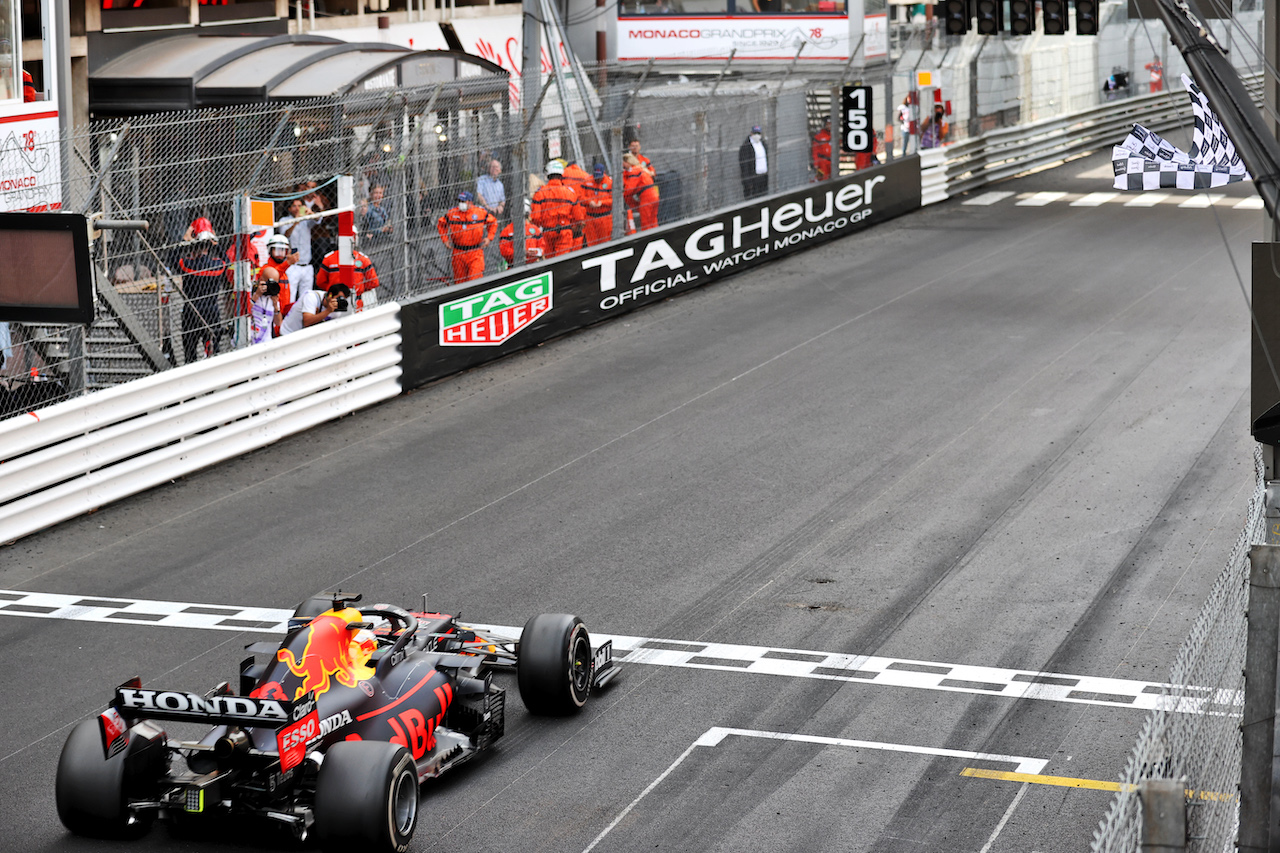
(987, 17)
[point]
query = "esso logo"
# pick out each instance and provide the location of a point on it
(301, 734)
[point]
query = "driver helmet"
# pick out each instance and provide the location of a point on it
(363, 644)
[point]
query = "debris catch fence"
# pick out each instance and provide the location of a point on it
(1195, 735)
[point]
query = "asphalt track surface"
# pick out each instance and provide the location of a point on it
(999, 436)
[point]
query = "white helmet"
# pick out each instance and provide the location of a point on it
(555, 167)
(277, 241)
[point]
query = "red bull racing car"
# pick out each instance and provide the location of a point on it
(331, 735)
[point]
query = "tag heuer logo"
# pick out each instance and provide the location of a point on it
(492, 317)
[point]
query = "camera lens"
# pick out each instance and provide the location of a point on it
(342, 304)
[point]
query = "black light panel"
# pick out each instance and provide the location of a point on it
(46, 275)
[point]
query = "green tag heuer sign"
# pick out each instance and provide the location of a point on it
(490, 318)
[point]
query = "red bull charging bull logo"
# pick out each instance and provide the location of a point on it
(333, 651)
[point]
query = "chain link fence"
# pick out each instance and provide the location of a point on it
(1196, 736)
(410, 153)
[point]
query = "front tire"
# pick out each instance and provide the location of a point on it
(366, 797)
(90, 788)
(554, 667)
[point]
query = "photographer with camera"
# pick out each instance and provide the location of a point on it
(317, 307)
(264, 306)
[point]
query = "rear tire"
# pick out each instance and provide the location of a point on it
(554, 667)
(366, 797)
(90, 788)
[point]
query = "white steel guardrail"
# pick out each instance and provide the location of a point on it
(1011, 151)
(60, 462)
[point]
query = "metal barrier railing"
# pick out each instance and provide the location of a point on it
(1004, 153)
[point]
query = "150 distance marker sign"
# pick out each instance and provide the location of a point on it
(857, 136)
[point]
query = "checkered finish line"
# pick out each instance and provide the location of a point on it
(723, 657)
(1147, 161)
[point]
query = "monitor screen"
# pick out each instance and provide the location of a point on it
(44, 268)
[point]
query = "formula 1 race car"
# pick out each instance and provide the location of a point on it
(332, 735)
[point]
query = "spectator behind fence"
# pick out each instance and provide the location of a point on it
(596, 197)
(645, 163)
(364, 272)
(313, 198)
(317, 306)
(556, 211)
(299, 233)
(375, 218)
(753, 164)
(904, 124)
(1116, 85)
(264, 306)
(933, 130)
(490, 192)
(203, 275)
(322, 242)
(640, 193)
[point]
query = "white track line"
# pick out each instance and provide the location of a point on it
(1147, 199)
(1040, 199)
(656, 651)
(1095, 199)
(714, 736)
(1008, 813)
(988, 198)
(1098, 199)
(1203, 200)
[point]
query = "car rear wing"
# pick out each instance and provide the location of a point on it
(217, 707)
(297, 723)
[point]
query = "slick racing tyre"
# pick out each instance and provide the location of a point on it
(90, 788)
(366, 797)
(554, 667)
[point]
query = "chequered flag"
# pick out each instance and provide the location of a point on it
(1146, 161)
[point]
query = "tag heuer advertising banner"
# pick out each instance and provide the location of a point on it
(465, 326)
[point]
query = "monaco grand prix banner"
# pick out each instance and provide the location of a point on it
(30, 169)
(468, 325)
